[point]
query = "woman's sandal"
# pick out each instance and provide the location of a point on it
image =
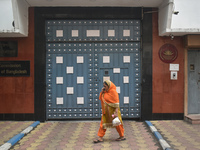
(97, 141)
(121, 139)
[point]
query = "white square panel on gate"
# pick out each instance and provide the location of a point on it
(93, 33)
(59, 80)
(59, 100)
(70, 90)
(126, 33)
(111, 33)
(116, 70)
(80, 100)
(126, 100)
(126, 79)
(126, 59)
(59, 59)
(106, 59)
(74, 33)
(80, 59)
(118, 89)
(106, 78)
(80, 80)
(59, 33)
(70, 70)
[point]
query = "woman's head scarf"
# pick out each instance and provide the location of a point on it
(108, 83)
(111, 96)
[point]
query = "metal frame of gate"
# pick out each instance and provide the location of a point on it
(80, 55)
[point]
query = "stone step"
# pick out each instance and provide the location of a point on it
(193, 118)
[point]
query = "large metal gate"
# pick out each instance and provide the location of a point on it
(82, 54)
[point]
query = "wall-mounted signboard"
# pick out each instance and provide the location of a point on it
(8, 48)
(14, 68)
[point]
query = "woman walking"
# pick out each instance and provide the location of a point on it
(110, 110)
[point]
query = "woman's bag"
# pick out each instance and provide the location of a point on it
(116, 122)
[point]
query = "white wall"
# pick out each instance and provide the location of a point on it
(6, 16)
(187, 21)
(189, 14)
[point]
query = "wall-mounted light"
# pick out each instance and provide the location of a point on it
(172, 36)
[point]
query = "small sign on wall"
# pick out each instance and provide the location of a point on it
(14, 68)
(8, 48)
(174, 67)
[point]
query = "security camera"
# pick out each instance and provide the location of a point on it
(176, 12)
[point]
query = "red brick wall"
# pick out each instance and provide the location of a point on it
(17, 93)
(168, 95)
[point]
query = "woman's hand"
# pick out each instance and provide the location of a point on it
(103, 90)
(115, 113)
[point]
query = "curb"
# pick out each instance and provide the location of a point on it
(162, 142)
(18, 137)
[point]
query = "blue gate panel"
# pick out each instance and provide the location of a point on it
(104, 30)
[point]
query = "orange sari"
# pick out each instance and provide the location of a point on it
(109, 102)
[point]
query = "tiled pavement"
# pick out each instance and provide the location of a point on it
(179, 134)
(80, 136)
